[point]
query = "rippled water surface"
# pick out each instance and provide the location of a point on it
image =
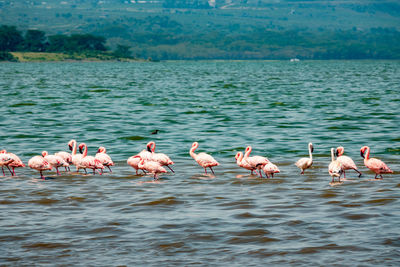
(230, 219)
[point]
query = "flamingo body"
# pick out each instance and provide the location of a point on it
(241, 163)
(375, 165)
(203, 159)
(15, 163)
(89, 162)
(347, 162)
(270, 169)
(161, 158)
(54, 161)
(134, 162)
(335, 167)
(5, 160)
(40, 164)
(104, 158)
(305, 163)
(152, 166)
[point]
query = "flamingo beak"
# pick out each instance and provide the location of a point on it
(149, 149)
(70, 147)
(362, 153)
(98, 150)
(337, 153)
(312, 149)
(80, 150)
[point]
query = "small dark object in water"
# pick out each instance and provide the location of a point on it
(155, 132)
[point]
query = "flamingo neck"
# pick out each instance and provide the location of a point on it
(84, 150)
(309, 152)
(367, 153)
(247, 153)
(192, 154)
(332, 154)
(74, 147)
(240, 158)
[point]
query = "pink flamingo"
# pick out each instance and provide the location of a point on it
(134, 162)
(67, 157)
(161, 158)
(375, 165)
(241, 163)
(76, 158)
(55, 161)
(104, 158)
(16, 163)
(270, 169)
(203, 159)
(305, 163)
(89, 162)
(335, 167)
(5, 160)
(347, 162)
(255, 162)
(146, 154)
(40, 164)
(152, 167)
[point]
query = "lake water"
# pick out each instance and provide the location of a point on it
(232, 219)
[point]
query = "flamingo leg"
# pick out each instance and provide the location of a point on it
(205, 170)
(302, 172)
(13, 169)
(344, 175)
(359, 173)
(85, 171)
(259, 171)
(3, 171)
(58, 173)
(109, 168)
(170, 169)
(272, 174)
(212, 170)
(94, 171)
(41, 176)
(9, 170)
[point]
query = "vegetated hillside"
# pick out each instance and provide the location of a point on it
(254, 29)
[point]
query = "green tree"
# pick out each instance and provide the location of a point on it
(123, 51)
(10, 38)
(34, 41)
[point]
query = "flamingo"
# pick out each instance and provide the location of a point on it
(67, 157)
(203, 159)
(347, 162)
(134, 162)
(305, 163)
(40, 164)
(104, 158)
(161, 158)
(241, 163)
(152, 167)
(255, 162)
(335, 167)
(16, 163)
(375, 165)
(270, 168)
(5, 160)
(146, 154)
(76, 158)
(89, 162)
(55, 161)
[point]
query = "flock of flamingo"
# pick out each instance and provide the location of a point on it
(151, 162)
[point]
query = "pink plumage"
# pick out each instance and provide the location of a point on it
(5, 160)
(270, 169)
(347, 162)
(54, 161)
(67, 157)
(161, 158)
(203, 159)
(40, 164)
(375, 165)
(134, 162)
(75, 158)
(241, 163)
(104, 158)
(255, 162)
(152, 167)
(89, 162)
(16, 162)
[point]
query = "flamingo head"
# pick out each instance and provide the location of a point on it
(70, 144)
(44, 153)
(339, 151)
(3, 151)
(101, 150)
(310, 145)
(195, 145)
(81, 148)
(362, 151)
(248, 150)
(238, 155)
(151, 146)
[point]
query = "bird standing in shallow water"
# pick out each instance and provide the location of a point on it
(40, 164)
(54, 161)
(104, 158)
(255, 162)
(335, 167)
(16, 162)
(305, 163)
(152, 167)
(375, 165)
(203, 159)
(347, 162)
